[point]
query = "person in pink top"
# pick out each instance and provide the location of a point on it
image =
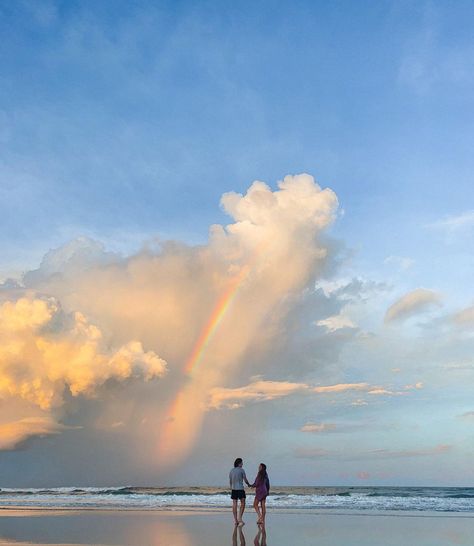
(262, 489)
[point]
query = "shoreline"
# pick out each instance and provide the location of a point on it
(17, 511)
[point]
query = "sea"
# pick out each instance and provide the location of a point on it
(420, 499)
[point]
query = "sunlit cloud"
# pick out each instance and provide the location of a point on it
(258, 391)
(14, 434)
(342, 387)
(45, 351)
(261, 391)
(410, 304)
(86, 316)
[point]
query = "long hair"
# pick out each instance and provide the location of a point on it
(262, 473)
(237, 462)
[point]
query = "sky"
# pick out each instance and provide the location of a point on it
(236, 229)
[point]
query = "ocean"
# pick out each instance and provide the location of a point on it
(418, 499)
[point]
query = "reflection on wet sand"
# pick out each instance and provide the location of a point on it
(238, 531)
(238, 537)
(261, 536)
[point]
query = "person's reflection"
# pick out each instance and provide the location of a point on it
(261, 537)
(238, 529)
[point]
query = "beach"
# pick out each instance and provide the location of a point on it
(215, 528)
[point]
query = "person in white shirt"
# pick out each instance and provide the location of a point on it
(237, 478)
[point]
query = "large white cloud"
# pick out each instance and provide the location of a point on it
(232, 293)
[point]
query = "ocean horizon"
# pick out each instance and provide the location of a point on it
(367, 498)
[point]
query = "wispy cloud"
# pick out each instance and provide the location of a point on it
(465, 317)
(410, 304)
(258, 391)
(401, 262)
(337, 322)
(15, 433)
(320, 453)
(462, 221)
(342, 387)
(318, 427)
(261, 391)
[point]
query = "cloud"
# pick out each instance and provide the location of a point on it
(318, 427)
(402, 262)
(258, 391)
(319, 453)
(418, 385)
(451, 224)
(14, 434)
(312, 453)
(44, 352)
(465, 317)
(342, 387)
(468, 415)
(411, 303)
(408, 453)
(336, 322)
(202, 309)
(261, 391)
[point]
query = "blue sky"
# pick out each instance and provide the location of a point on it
(126, 121)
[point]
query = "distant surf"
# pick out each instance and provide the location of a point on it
(438, 499)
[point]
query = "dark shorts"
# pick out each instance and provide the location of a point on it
(237, 494)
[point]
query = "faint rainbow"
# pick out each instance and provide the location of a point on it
(218, 313)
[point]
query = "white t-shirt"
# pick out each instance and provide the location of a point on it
(237, 477)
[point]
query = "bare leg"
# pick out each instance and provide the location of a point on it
(234, 511)
(263, 504)
(242, 510)
(257, 509)
(242, 537)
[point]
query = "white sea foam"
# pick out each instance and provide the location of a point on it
(401, 499)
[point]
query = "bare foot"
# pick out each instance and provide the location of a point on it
(241, 523)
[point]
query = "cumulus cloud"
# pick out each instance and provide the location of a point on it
(412, 303)
(200, 308)
(44, 352)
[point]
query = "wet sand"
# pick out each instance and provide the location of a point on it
(197, 528)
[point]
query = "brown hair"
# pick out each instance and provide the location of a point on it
(263, 472)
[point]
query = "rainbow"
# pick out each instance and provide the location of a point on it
(214, 321)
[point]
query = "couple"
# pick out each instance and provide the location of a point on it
(237, 478)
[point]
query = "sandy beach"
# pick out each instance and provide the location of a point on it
(206, 528)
